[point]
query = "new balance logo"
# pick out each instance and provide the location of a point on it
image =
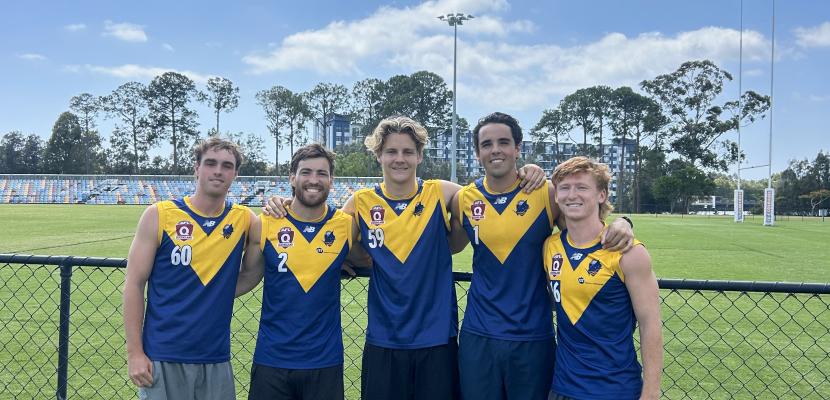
(501, 200)
(576, 256)
(309, 229)
(401, 206)
(209, 223)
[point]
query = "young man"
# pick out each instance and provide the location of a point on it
(506, 346)
(600, 296)
(411, 348)
(299, 351)
(189, 252)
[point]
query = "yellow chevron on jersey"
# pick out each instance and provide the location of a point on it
(501, 238)
(578, 286)
(207, 252)
(307, 259)
(377, 213)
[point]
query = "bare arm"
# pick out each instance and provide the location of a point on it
(532, 177)
(139, 265)
(558, 218)
(357, 254)
(458, 237)
(618, 236)
(645, 298)
(253, 266)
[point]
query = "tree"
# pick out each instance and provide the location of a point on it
(66, 152)
(355, 160)
(86, 107)
(253, 148)
(632, 115)
(367, 98)
(696, 122)
(296, 114)
(11, 148)
(422, 96)
(553, 124)
(683, 181)
(577, 107)
(601, 98)
(168, 95)
(221, 95)
(323, 101)
(274, 102)
(120, 156)
(129, 104)
(816, 197)
(32, 154)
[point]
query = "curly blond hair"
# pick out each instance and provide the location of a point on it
(597, 170)
(398, 124)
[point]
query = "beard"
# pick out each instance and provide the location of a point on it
(306, 201)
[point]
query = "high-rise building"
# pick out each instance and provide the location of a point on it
(440, 149)
(338, 133)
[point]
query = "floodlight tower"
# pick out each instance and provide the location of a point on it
(454, 20)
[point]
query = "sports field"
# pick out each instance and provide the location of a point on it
(695, 247)
(717, 342)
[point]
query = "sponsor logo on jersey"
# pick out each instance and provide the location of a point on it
(581, 280)
(328, 238)
(184, 230)
(285, 237)
(209, 223)
(500, 200)
(576, 256)
(309, 229)
(477, 210)
(594, 267)
(419, 209)
(401, 206)
(227, 231)
(522, 207)
(556, 265)
(377, 215)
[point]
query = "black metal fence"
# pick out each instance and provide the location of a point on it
(61, 334)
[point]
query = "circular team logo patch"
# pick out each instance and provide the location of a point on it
(184, 231)
(477, 210)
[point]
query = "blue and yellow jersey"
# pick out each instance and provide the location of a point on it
(300, 323)
(595, 322)
(191, 287)
(507, 298)
(411, 294)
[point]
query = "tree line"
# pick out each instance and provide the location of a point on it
(676, 121)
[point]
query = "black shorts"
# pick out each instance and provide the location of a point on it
(268, 383)
(419, 374)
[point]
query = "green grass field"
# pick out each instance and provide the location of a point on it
(723, 343)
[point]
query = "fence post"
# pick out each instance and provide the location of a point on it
(63, 330)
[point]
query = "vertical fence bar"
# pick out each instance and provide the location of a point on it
(63, 333)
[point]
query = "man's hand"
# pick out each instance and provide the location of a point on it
(140, 369)
(618, 236)
(532, 177)
(347, 270)
(277, 206)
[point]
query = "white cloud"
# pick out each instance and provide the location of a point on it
(75, 27)
(818, 99)
(125, 31)
(754, 72)
(817, 36)
(133, 71)
(494, 72)
(168, 47)
(341, 46)
(31, 57)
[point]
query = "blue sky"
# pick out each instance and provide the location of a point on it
(520, 57)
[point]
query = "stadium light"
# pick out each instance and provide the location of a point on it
(454, 20)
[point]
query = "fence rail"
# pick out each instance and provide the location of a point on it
(61, 333)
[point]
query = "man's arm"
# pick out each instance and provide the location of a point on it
(532, 177)
(645, 299)
(558, 218)
(358, 256)
(253, 266)
(139, 265)
(619, 236)
(458, 237)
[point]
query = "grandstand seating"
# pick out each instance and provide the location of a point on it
(78, 189)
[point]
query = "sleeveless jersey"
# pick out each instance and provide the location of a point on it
(300, 323)
(411, 294)
(191, 287)
(595, 322)
(507, 299)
